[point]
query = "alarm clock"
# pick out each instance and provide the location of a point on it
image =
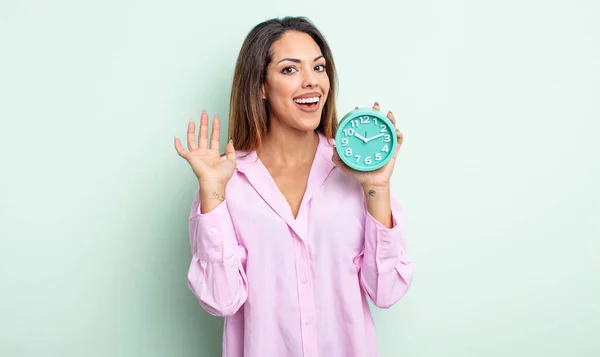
(365, 139)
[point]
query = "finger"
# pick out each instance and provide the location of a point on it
(356, 107)
(203, 135)
(191, 142)
(335, 158)
(376, 106)
(230, 151)
(179, 148)
(391, 117)
(400, 138)
(216, 134)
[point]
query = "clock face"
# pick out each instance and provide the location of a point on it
(365, 139)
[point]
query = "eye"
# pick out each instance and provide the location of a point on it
(320, 68)
(288, 70)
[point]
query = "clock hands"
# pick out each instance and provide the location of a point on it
(374, 137)
(361, 137)
(366, 140)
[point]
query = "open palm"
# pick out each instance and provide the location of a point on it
(205, 159)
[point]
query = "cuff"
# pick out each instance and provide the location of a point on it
(384, 247)
(213, 235)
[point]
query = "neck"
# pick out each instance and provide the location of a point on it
(288, 147)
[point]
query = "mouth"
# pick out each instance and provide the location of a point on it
(308, 102)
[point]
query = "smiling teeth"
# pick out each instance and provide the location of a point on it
(307, 100)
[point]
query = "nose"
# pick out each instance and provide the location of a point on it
(310, 79)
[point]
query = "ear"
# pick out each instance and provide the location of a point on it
(263, 92)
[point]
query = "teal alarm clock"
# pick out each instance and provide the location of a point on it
(365, 139)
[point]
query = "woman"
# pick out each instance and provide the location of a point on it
(287, 241)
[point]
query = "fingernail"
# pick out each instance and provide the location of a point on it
(203, 111)
(376, 103)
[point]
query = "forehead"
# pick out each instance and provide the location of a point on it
(295, 44)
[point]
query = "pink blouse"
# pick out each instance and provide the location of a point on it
(296, 287)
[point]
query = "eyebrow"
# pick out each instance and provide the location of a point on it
(298, 61)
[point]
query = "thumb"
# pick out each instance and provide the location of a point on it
(230, 151)
(338, 161)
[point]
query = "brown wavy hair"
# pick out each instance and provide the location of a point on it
(248, 112)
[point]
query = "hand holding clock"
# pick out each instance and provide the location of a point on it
(379, 177)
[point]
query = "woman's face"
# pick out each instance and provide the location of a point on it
(297, 84)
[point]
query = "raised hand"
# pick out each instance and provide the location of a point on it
(205, 160)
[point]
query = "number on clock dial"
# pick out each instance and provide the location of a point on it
(362, 120)
(355, 125)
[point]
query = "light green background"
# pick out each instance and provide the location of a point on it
(499, 173)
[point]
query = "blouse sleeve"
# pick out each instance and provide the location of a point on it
(386, 270)
(216, 274)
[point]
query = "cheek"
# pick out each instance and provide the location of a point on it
(324, 83)
(281, 90)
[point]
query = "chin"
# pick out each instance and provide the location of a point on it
(310, 122)
(306, 127)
